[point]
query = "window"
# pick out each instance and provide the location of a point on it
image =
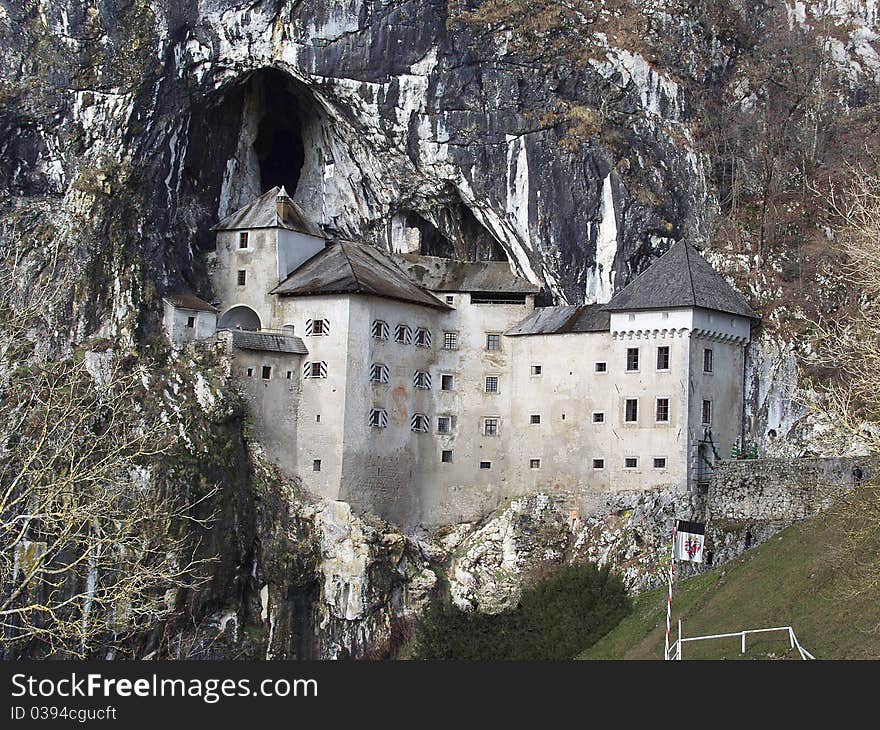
(317, 418)
(631, 414)
(598, 416)
(707, 360)
(378, 418)
(250, 372)
(631, 317)
(450, 340)
(598, 463)
(444, 424)
(663, 358)
(492, 384)
(659, 462)
(632, 359)
(242, 277)
(190, 322)
(317, 327)
(534, 463)
(419, 423)
(665, 315)
(485, 465)
(446, 456)
(490, 427)
(316, 369)
(707, 413)
(450, 299)
(423, 337)
(379, 330)
(662, 411)
(316, 465)
(403, 334)
(631, 462)
(493, 342)
(447, 382)
(289, 374)
(536, 369)
(378, 373)
(601, 367)
(497, 298)
(243, 239)
(266, 373)
(422, 379)
(535, 418)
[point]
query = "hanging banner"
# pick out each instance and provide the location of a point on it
(689, 540)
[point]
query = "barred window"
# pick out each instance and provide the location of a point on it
(423, 337)
(403, 334)
(450, 340)
(601, 367)
(659, 462)
(535, 418)
(534, 463)
(490, 426)
(598, 416)
(631, 462)
(378, 373)
(444, 424)
(419, 423)
(378, 418)
(492, 384)
(493, 342)
(379, 330)
(317, 327)
(241, 277)
(598, 463)
(317, 369)
(422, 379)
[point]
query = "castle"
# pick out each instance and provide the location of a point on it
(428, 390)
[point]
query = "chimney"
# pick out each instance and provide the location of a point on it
(284, 205)
(287, 330)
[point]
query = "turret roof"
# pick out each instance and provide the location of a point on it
(263, 213)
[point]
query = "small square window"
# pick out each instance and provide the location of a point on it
(663, 358)
(446, 456)
(447, 382)
(444, 424)
(535, 418)
(316, 465)
(315, 369)
(598, 463)
(493, 342)
(450, 299)
(243, 239)
(632, 359)
(631, 462)
(250, 372)
(708, 360)
(659, 462)
(190, 322)
(266, 372)
(536, 369)
(242, 277)
(485, 465)
(490, 427)
(534, 463)
(665, 315)
(631, 414)
(492, 384)
(450, 340)
(662, 412)
(631, 317)
(598, 416)
(601, 367)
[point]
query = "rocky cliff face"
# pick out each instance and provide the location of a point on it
(128, 127)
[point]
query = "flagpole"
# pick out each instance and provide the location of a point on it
(671, 577)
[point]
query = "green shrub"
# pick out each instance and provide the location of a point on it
(557, 618)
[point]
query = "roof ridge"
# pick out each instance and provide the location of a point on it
(687, 259)
(348, 261)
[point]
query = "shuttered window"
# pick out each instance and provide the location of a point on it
(378, 373)
(317, 327)
(316, 369)
(423, 337)
(403, 334)
(422, 379)
(378, 418)
(379, 330)
(419, 423)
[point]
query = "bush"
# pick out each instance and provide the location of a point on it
(557, 618)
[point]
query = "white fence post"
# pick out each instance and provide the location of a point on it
(743, 643)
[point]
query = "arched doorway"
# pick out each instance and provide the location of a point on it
(239, 318)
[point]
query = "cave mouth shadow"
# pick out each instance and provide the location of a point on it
(279, 144)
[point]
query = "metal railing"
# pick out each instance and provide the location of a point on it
(675, 651)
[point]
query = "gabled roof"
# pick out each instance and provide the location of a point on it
(263, 213)
(189, 301)
(345, 267)
(681, 278)
(438, 274)
(268, 342)
(563, 319)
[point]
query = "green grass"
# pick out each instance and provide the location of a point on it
(788, 581)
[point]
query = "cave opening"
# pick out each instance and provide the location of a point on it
(279, 142)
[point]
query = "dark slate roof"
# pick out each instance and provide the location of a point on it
(563, 319)
(263, 213)
(268, 342)
(437, 274)
(681, 278)
(345, 267)
(189, 301)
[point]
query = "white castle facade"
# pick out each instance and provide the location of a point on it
(428, 390)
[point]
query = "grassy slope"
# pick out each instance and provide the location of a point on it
(786, 581)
